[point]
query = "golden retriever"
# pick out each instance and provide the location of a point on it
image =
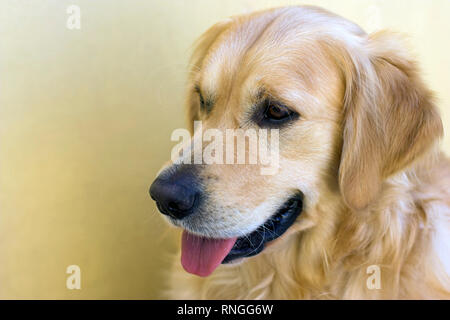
(359, 205)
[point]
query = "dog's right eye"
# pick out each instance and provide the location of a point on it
(204, 105)
(202, 101)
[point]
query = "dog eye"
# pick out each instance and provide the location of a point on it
(276, 114)
(202, 101)
(205, 105)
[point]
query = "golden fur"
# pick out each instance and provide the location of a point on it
(364, 152)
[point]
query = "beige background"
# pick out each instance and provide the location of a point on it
(85, 123)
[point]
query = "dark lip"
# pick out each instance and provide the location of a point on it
(273, 228)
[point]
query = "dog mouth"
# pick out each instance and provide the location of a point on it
(276, 226)
(201, 256)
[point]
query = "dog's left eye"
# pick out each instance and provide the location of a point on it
(276, 114)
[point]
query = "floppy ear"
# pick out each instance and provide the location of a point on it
(201, 48)
(389, 120)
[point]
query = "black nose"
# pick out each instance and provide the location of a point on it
(176, 195)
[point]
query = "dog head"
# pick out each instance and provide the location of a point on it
(345, 110)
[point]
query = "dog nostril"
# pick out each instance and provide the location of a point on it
(158, 205)
(173, 206)
(182, 204)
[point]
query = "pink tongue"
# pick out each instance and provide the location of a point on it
(201, 256)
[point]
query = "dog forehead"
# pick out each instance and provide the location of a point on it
(273, 41)
(226, 54)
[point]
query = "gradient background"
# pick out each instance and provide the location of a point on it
(85, 123)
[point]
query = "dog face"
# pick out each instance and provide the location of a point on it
(317, 80)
